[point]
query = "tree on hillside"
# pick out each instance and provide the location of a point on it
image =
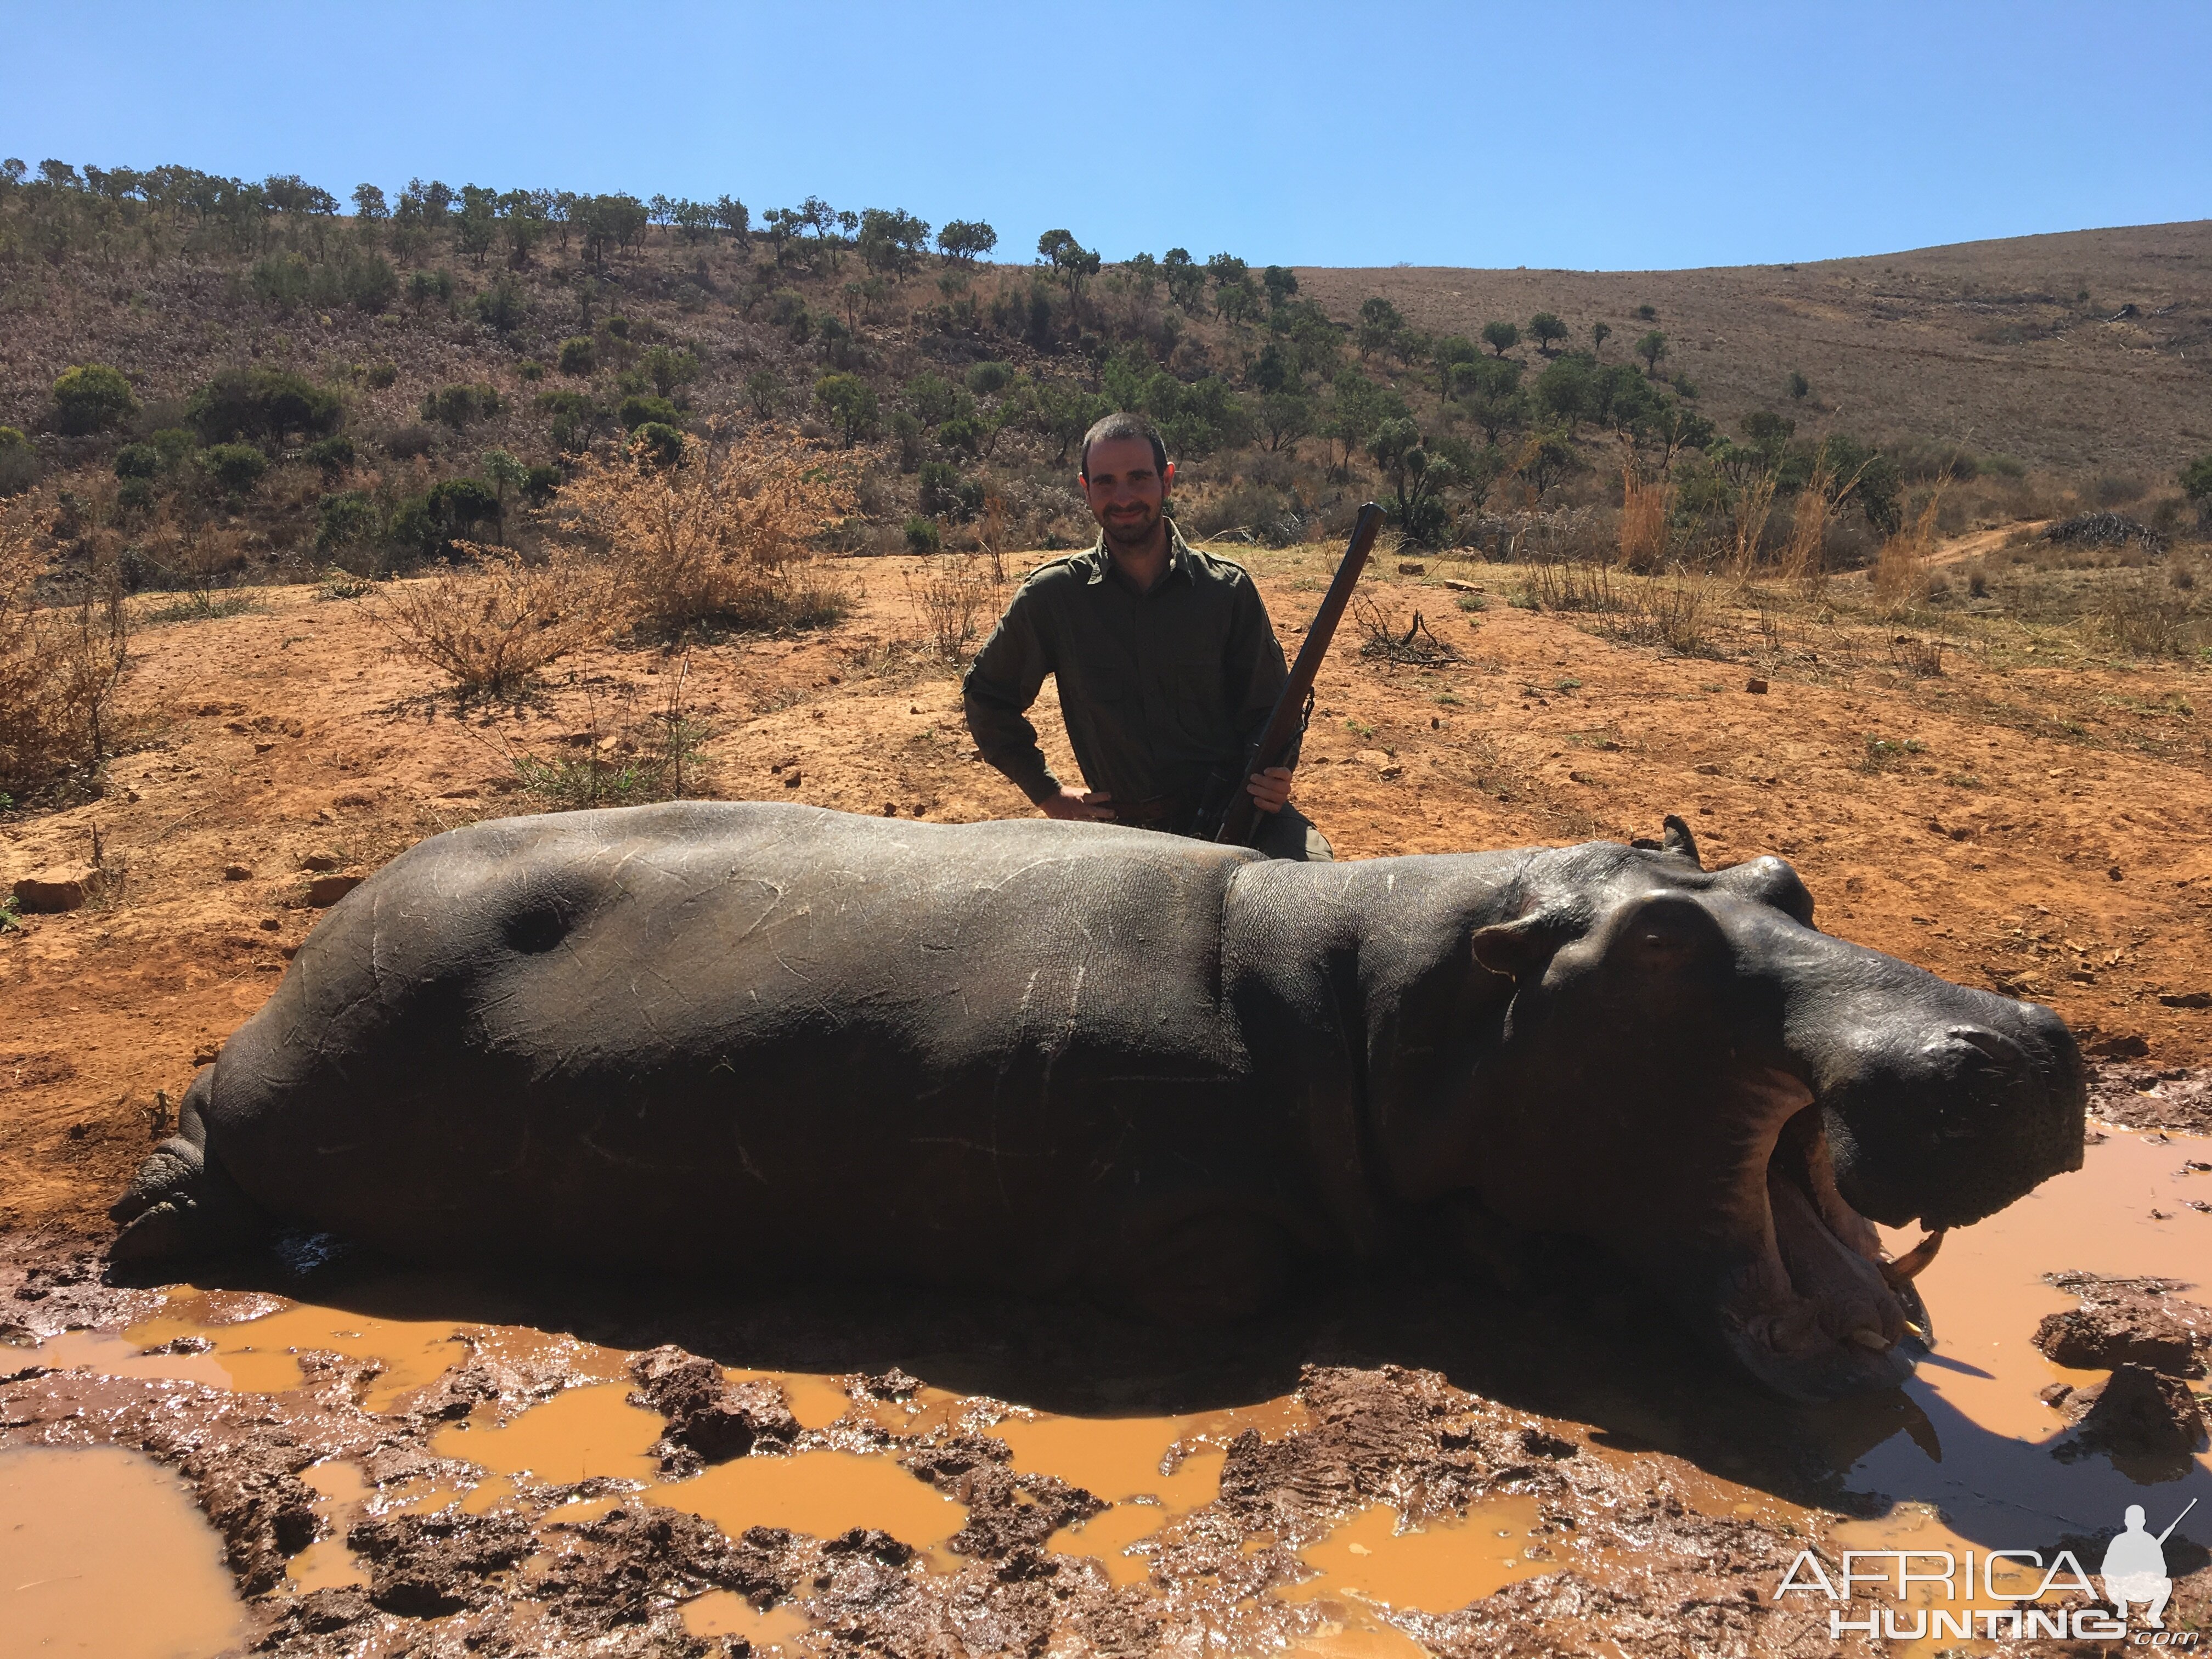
(849, 401)
(735, 219)
(1380, 325)
(370, 206)
(1545, 327)
(1489, 390)
(1286, 416)
(1599, 333)
(892, 240)
(2196, 485)
(1651, 347)
(1797, 386)
(1071, 260)
(966, 239)
(1281, 285)
(91, 398)
(1500, 337)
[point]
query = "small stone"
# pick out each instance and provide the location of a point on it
(891, 809)
(1412, 568)
(65, 887)
(1755, 686)
(238, 873)
(2114, 873)
(325, 890)
(2186, 999)
(270, 924)
(791, 779)
(321, 860)
(265, 746)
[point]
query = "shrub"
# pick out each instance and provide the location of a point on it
(502, 307)
(722, 538)
(59, 666)
(138, 461)
(136, 494)
(922, 536)
(989, 380)
(490, 625)
(851, 402)
(91, 398)
(344, 521)
(531, 369)
(658, 442)
(637, 412)
(239, 403)
(234, 468)
(578, 354)
(539, 483)
(382, 376)
(2197, 485)
(408, 442)
(333, 455)
(458, 406)
(19, 462)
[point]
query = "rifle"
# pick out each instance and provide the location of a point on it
(1235, 822)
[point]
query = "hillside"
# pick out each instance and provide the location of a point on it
(2006, 346)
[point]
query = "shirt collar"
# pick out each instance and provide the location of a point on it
(1179, 557)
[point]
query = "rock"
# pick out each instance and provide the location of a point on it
(1755, 686)
(327, 890)
(2126, 1045)
(2137, 1410)
(2134, 1329)
(1374, 757)
(321, 860)
(1412, 568)
(1459, 586)
(2186, 999)
(65, 887)
(791, 779)
(238, 873)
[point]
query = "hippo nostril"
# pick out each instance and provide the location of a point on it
(537, 930)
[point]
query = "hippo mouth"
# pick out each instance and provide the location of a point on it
(1822, 1310)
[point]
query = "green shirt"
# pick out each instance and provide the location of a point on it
(1160, 690)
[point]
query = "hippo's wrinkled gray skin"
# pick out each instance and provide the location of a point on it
(742, 1036)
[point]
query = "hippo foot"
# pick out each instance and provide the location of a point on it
(180, 1204)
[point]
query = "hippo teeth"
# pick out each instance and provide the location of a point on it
(1908, 1266)
(1867, 1337)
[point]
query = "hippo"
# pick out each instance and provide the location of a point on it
(1070, 1058)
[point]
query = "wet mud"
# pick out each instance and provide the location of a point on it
(368, 1461)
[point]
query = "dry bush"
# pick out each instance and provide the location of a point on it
(1749, 514)
(1646, 506)
(2145, 616)
(1382, 637)
(1900, 570)
(1676, 614)
(61, 666)
(1571, 584)
(949, 602)
(1803, 555)
(490, 625)
(720, 538)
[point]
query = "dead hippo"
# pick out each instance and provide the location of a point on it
(724, 1037)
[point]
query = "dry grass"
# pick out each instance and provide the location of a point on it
(1900, 569)
(1645, 508)
(1752, 506)
(490, 625)
(950, 601)
(1804, 553)
(721, 538)
(60, 666)
(1675, 612)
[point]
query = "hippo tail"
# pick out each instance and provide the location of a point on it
(182, 1202)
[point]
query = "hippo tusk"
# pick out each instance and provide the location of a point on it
(1909, 1265)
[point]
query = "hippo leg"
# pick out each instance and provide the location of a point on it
(182, 1202)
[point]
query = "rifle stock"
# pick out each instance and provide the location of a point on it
(1287, 720)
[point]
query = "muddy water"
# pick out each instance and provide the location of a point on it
(103, 1552)
(1965, 1450)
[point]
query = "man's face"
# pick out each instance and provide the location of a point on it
(1127, 492)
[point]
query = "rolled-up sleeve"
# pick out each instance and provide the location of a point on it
(1002, 683)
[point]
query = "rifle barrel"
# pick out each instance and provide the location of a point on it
(1285, 721)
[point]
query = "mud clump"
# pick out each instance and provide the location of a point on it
(711, 1419)
(2125, 1323)
(264, 1512)
(630, 1563)
(425, 1566)
(2144, 1097)
(1010, 1515)
(2135, 1412)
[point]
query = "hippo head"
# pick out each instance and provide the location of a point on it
(1736, 1095)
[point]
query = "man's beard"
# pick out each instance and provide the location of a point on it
(1126, 532)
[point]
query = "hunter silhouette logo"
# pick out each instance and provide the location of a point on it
(2133, 1572)
(2135, 1569)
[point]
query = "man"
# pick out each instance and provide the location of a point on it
(1166, 664)
(2135, 1570)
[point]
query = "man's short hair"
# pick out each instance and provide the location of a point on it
(1124, 426)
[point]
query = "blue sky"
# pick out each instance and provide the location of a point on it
(1595, 136)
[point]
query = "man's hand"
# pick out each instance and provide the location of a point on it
(1082, 805)
(1270, 790)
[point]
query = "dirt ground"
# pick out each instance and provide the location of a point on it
(2012, 822)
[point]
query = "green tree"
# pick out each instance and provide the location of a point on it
(264, 403)
(477, 223)
(1500, 337)
(91, 398)
(1548, 458)
(234, 468)
(933, 398)
(578, 356)
(1599, 333)
(1357, 406)
(637, 410)
(1285, 416)
(988, 379)
(2196, 481)
(1489, 390)
(851, 402)
(1380, 325)
(1185, 278)
(1546, 329)
(764, 393)
(1798, 385)
(507, 474)
(502, 307)
(669, 367)
(1281, 285)
(1565, 391)
(1065, 412)
(461, 406)
(656, 443)
(1651, 347)
(1074, 261)
(131, 461)
(892, 240)
(966, 239)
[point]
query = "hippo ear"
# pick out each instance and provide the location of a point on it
(1519, 948)
(1679, 842)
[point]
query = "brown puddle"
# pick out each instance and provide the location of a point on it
(103, 1552)
(1966, 1437)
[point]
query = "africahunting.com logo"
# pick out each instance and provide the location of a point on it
(2133, 1570)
